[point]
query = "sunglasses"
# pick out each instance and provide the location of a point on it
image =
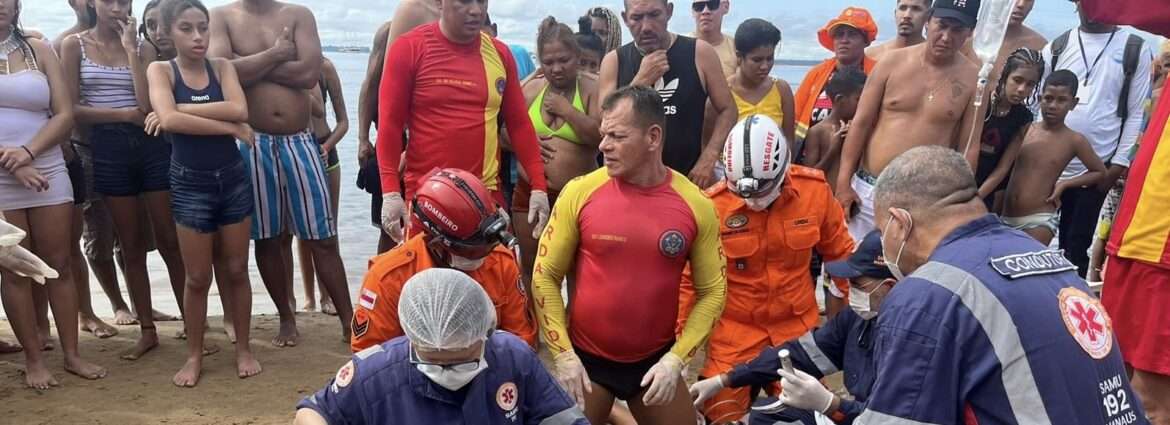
(711, 5)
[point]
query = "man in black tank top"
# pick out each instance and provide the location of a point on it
(686, 73)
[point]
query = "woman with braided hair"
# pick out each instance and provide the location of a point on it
(606, 25)
(1006, 120)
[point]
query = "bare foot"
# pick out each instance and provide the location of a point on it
(188, 376)
(163, 317)
(229, 329)
(46, 340)
(310, 306)
(328, 308)
(9, 348)
(210, 349)
(97, 327)
(246, 365)
(146, 342)
(181, 334)
(288, 336)
(38, 377)
(85, 369)
(124, 318)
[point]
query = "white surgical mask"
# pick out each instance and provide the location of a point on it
(449, 378)
(465, 264)
(763, 202)
(860, 301)
(893, 265)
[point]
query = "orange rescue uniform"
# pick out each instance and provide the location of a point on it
(376, 318)
(770, 296)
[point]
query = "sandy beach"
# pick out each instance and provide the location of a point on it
(141, 392)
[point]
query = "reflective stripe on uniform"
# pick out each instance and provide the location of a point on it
(564, 417)
(369, 351)
(809, 345)
(870, 417)
(1016, 373)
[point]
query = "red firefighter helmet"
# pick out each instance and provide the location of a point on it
(455, 207)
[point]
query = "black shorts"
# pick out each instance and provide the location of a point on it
(624, 380)
(77, 178)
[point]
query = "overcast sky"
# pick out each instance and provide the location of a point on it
(353, 22)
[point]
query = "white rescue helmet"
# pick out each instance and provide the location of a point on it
(755, 156)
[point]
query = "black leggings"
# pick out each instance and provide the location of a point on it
(1079, 210)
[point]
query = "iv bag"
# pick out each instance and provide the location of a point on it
(989, 31)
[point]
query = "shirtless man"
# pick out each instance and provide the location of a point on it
(408, 15)
(276, 51)
(1048, 147)
(911, 16)
(927, 88)
(1016, 36)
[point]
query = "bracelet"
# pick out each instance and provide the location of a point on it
(30, 154)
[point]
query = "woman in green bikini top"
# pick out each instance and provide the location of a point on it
(565, 111)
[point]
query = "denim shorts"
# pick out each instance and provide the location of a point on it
(205, 200)
(127, 161)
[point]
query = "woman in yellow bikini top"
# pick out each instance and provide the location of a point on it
(752, 86)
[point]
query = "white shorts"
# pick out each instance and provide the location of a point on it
(862, 223)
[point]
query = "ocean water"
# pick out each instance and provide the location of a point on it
(357, 237)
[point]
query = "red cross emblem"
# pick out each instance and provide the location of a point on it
(1087, 322)
(506, 396)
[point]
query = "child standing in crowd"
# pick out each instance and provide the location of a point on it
(35, 193)
(328, 90)
(151, 31)
(1047, 148)
(211, 191)
(822, 145)
(592, 46)
(105, 67)
(1006, 122)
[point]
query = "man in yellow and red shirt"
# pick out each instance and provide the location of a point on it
(773, 214)
(462, 229)
(618, 339)
(452, 86)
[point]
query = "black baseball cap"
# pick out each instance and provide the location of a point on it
(867, 261)
(965, 11)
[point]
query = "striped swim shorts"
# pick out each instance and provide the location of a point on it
(288, 183)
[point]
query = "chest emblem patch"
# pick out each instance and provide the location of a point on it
(1087, 322)
(507, 396)
(736, 221)
(671, 243)
(344, 377)
(501, 84)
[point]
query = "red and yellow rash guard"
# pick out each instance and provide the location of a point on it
(451, 97)
(626, 270)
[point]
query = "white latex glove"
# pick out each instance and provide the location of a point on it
(24, 263)
(9, 235)
(571, 374)
(538, 210)
(393, 215)
(803, 391)
(703, 390)
(662, 379)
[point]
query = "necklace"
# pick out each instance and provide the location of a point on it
(8, 46)
(934, 88)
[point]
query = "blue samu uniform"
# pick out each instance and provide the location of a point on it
(381, 386)
(844, 343)
(997, 329)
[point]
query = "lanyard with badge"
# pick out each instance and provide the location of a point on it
(1086, 86)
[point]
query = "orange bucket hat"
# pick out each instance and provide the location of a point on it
(855, 17)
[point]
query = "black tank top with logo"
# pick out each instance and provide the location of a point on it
(200, 152)
(998, 133)
(683, 95)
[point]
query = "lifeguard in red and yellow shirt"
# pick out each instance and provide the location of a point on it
(462, 229)
(773, 215)
(452, 87)
(622, 236)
